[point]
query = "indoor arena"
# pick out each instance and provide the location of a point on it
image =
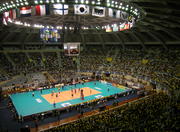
(89, 65)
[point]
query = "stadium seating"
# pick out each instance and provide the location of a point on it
(149, 114)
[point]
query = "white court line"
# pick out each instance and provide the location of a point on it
(38, 100)
(98, 96)
(97, 88)
(66, 104)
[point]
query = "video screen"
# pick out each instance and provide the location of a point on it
(71, 49)
(50, 35)
(74, 49)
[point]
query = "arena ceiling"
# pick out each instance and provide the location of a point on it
(160, 26)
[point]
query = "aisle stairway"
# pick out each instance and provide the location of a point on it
(36, 77)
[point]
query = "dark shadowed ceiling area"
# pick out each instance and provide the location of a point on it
(160, 26)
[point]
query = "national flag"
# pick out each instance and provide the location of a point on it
(5, 17)
(60, 9)
(98, 11)
(127, 26)
(115, 28)
(40, 10)
(33, 10)
(12, 14)
(108, 29)
(81, 9)
(114, 13)
(25, 11)
(124, 26)
(17, 12)
(144, 61)
(47, 9)
(109, 59)
(130, 24)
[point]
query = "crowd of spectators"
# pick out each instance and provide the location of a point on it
(154, 113)
(159, 67)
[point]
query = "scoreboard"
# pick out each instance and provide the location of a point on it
(72, 48)
(50, 35)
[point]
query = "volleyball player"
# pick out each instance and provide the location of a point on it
(33, 94)
(54, 104)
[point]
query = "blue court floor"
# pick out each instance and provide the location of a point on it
(27, 105)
